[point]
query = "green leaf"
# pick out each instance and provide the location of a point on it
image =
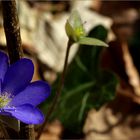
(91, 41)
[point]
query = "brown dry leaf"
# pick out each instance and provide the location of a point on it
(53, 131)
(118, 120)
(133, 75)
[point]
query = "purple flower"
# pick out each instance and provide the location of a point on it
(19, 97)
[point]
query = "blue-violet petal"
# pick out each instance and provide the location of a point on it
(28, 114)
(33, 94)
(18, 76)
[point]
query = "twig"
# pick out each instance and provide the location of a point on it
(13, 39)
(58, 93)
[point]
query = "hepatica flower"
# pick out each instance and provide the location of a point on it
(76, 32)
(18, 96)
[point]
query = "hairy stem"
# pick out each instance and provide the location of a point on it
(13, 39)
(12, 30)
(58, 93)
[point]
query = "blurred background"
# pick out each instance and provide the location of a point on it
(101, 95)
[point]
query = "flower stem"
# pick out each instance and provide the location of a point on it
(13, 39)
(12, 30)
(58, 92)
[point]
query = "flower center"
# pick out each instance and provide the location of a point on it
(4, 99)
